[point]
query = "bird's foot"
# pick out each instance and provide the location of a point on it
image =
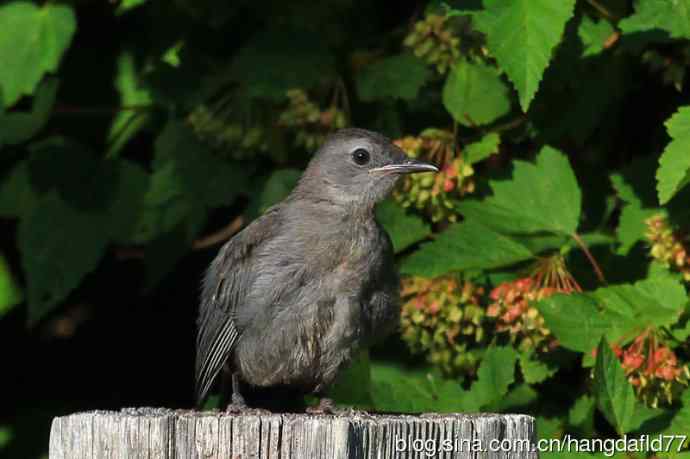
(325, 406)
(239, 406)
(233, 408)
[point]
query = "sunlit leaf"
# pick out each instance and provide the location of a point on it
(475, 94)
(32, 41)
(522, 34)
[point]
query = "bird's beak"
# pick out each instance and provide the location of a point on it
(409, 166)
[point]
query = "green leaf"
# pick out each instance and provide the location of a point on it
(496, 372)
(396, 77)
(635, 186)
(127, 123)
(10, 293)
(619, 311)
(474, 94)
(18, 195)
(172, 55)
(522, 35)
(534, 370)
(549, 427)
(18, 127)
(403, 227)
(213, 402)
(353, 385)
(593, 35)
(674, 163)
(536, 243)
(111, 189)
(59, 245)
(399, 389)
(165, 205)
(575, 320)
(670, 16)
(213, 181)
(540, 197)
(85, 204)
(592, 88)
(32, 42)
(131, 183)
(296, 59)
(464, 246)
(485, 147)
(681, 332)
(128, 5)
(517, 399)
(466, 8)
(680, 423)
(187, 181)
(648, 419)
(655, 302)
(614, 394)
(631, 225)
(581, 415)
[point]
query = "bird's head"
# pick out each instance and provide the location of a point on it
(360, 167)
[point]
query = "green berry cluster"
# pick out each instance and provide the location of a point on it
(309, 123)
(513, 307)
(215, 128)
(433, 194)
(432, 40)
(668, 247)
(442, 318)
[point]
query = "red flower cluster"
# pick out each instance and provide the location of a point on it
(513, 307)
(653, 369)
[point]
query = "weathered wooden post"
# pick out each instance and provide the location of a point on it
(162, 433)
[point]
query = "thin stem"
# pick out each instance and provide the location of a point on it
(471, 121)
(590, 257)
(509, 125)
(225, 233)
(602, 10)
(219, 236)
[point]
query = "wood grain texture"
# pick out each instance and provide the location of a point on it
(149, 433)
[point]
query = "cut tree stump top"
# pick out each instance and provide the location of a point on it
(162, 433)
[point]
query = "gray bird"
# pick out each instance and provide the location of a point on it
(288, 301)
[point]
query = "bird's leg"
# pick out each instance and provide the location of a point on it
(237, 403)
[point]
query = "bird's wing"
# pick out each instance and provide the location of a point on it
(224, 288)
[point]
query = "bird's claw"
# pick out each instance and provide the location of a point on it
(327, 406)
(239, 406)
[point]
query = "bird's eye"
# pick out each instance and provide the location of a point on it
(360, 156)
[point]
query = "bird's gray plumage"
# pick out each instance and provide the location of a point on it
(289, 299)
